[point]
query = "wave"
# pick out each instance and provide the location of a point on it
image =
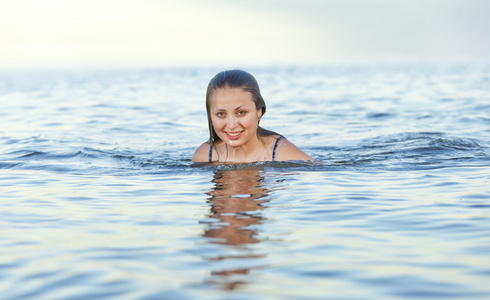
(405, 151)
(412, 151)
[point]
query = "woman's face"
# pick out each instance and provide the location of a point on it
(234, 116)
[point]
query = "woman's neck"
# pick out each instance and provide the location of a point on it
(252, 151)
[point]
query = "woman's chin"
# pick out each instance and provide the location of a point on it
(233, 143)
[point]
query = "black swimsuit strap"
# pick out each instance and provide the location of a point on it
(275, 147)
(210, 152)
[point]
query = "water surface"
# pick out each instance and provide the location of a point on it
(99, 198)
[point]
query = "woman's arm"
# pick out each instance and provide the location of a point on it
(288, 151)
(202, 153)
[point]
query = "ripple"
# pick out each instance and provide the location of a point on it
(100, 198)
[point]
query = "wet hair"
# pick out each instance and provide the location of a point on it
(235, 79)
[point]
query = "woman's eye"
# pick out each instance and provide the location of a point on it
(220, 115)
(242, 113)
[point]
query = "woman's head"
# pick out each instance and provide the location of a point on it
(228, 80)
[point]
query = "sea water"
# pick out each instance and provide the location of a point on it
(99, 197)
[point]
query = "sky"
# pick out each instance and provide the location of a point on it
(79, 33)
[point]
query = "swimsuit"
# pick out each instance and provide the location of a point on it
(273, 151)
(275, 147)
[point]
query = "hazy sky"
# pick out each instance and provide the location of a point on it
(157, 32)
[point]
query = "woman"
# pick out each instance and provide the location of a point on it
(234, 107)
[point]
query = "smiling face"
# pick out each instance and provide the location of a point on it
(234, 116)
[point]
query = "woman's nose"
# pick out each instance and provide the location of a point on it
(231, 122)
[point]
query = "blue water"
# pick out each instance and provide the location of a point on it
(99, 198)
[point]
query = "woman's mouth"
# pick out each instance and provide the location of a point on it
(233, 135)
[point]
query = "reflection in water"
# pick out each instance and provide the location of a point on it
(235, 206)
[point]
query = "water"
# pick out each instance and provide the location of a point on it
(99, 198)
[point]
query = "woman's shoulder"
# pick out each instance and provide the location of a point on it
(286, 150)
(202, 153)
